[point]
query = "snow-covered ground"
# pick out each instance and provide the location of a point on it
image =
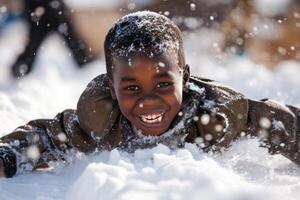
(245, 171)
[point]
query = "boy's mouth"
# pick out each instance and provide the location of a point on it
(152, 118)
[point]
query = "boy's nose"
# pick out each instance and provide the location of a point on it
(149, 101)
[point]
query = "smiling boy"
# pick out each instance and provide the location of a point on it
(147, 97)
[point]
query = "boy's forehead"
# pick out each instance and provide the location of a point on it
(169, 57)
(145, 66)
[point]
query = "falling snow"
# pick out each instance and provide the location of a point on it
(245, 171)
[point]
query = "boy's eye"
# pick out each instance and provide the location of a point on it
(132, 88)
(164, 84)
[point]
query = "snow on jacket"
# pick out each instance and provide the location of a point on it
(212, 116)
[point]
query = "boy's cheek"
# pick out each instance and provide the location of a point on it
(125, 105)
(178, 96)
(177, 93)
(121, 97)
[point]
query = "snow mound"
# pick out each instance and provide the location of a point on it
(159, 173)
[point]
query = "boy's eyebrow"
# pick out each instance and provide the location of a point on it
(127, 78)
(163, 75)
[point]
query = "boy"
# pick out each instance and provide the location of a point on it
(148, 97)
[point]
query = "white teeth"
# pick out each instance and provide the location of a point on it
(154, 118)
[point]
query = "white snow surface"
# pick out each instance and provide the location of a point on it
(245, 171)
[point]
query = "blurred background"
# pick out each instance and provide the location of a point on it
(266, 31)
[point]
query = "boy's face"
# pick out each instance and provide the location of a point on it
(149, 91)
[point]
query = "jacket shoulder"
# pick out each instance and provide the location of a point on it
(215, 90)
(96, 110)
(95, 88)
(225, 106)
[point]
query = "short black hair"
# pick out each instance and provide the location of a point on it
(145, 33)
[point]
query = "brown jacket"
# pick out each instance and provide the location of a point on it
(212, 116)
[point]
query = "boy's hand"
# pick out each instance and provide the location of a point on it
(2, 174)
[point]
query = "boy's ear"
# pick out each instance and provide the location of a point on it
(112, 90)
(186, 74)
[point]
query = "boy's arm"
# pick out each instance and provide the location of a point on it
(2, 174)
(35, 144)
(277, 126)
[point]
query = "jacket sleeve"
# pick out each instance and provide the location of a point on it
(37, 143)
(277, 126)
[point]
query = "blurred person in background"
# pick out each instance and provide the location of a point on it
(44, 17)
(93, 18)
(267, 31)
(189, 15)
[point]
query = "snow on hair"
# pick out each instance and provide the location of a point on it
(144, 32)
